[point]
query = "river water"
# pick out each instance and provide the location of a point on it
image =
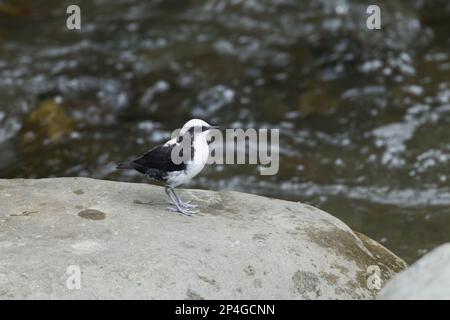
(364, 115)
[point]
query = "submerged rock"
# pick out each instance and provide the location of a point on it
(49, 121)
(426, 279)
(126, 245)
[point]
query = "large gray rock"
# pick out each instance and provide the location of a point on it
(428, 278)
(127, 245)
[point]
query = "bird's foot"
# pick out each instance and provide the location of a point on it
(189, 205)
(182, 210)
(186, 205)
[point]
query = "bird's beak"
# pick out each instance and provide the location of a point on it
(214, 127)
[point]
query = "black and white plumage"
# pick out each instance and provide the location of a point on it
(159, 165)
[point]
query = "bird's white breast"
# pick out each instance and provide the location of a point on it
(194, 166)
(201, 154)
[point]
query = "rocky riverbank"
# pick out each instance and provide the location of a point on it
(85, 238)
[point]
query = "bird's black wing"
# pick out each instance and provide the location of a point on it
(157, 162)
(160, 157)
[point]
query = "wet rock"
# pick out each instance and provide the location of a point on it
(248, 247)
(49, 121)
(426, 279)
(317, 99)
(12, 9)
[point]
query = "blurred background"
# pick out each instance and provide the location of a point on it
(364, 115)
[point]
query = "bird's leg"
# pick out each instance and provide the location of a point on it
(186, 204)
(177, 202)
(178, 207)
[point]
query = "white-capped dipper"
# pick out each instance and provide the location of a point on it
(158, 163)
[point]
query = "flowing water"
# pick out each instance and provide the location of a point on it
(364, 115)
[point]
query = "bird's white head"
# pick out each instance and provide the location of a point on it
(196, 126)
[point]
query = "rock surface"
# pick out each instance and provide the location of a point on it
(126, 245)
(428, 278)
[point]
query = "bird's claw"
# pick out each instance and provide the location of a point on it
(185, 211)
(186, 205)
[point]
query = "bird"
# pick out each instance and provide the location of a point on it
(158, 164)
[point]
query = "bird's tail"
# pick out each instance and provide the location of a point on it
(125, 165)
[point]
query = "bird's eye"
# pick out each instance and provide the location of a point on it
(205, 128)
